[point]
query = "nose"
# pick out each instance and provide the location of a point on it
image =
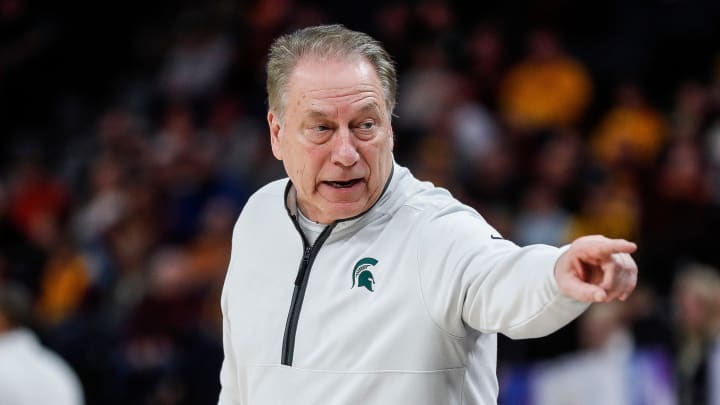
(344, 152)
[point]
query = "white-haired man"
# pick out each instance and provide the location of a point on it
(352, 282)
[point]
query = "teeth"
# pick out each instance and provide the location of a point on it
(342, 184)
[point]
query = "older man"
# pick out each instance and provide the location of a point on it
(352, 282)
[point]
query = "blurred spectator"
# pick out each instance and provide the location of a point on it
(427, 89)
(610, 369)
(548, 88)
(632, 132)
(208, 257)
(65, 282)
(121, 136)
(556, 160)
(164, 347)
(696, 297)
(473, 128)
(486, 58)
(209, 251)
(541, 218)
(195, 67)
(30, 374)
(186, 171)
(679, 217)
(435, 17)
(681, 176)
(492, 177)
(233, 141)
(490, 183)
(435, 156)
(177, 138)
(393, 29)
(20, 260)
(609, 206)
(689, 117)
(38, 205)
(107, 203)
(129, 244)
(38, 200)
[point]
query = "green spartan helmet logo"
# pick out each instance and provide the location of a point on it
(362, 276)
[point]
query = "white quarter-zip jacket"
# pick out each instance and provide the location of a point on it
(400, 305)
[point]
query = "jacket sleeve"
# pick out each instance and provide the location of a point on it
(470, 276)
(229, 389)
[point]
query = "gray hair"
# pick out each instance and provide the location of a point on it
(325, 41)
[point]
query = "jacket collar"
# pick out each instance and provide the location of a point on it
(390, 199)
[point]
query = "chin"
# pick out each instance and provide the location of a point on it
(345, 211)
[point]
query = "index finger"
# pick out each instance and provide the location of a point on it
(599, 248)
(622, 246)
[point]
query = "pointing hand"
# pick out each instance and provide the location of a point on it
(597, 269)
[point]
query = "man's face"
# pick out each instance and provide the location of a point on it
(335, 138)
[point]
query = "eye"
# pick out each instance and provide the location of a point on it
(367, 125)
(366, 129)
(318, 133)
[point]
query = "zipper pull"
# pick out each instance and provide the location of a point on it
(306, 256)
(303, 267)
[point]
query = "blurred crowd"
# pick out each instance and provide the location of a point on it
(133, 137)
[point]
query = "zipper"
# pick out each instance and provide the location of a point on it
(308, 257)
(309, 253)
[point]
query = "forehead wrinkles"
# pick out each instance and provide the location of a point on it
(319, 82)
(347, 91)
(355, 102)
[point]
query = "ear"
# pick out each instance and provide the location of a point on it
(275, 129)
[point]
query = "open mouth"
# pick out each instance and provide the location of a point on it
(343, 184)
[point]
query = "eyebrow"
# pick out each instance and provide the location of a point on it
(315, 114)
(370, 107)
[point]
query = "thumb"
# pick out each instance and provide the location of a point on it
(577, 289)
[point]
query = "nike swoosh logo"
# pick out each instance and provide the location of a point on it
(496, 237)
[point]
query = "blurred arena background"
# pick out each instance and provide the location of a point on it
(133, 132)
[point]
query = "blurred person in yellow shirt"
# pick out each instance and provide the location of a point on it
(64, 284)
(631, 132)
(547, 89)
